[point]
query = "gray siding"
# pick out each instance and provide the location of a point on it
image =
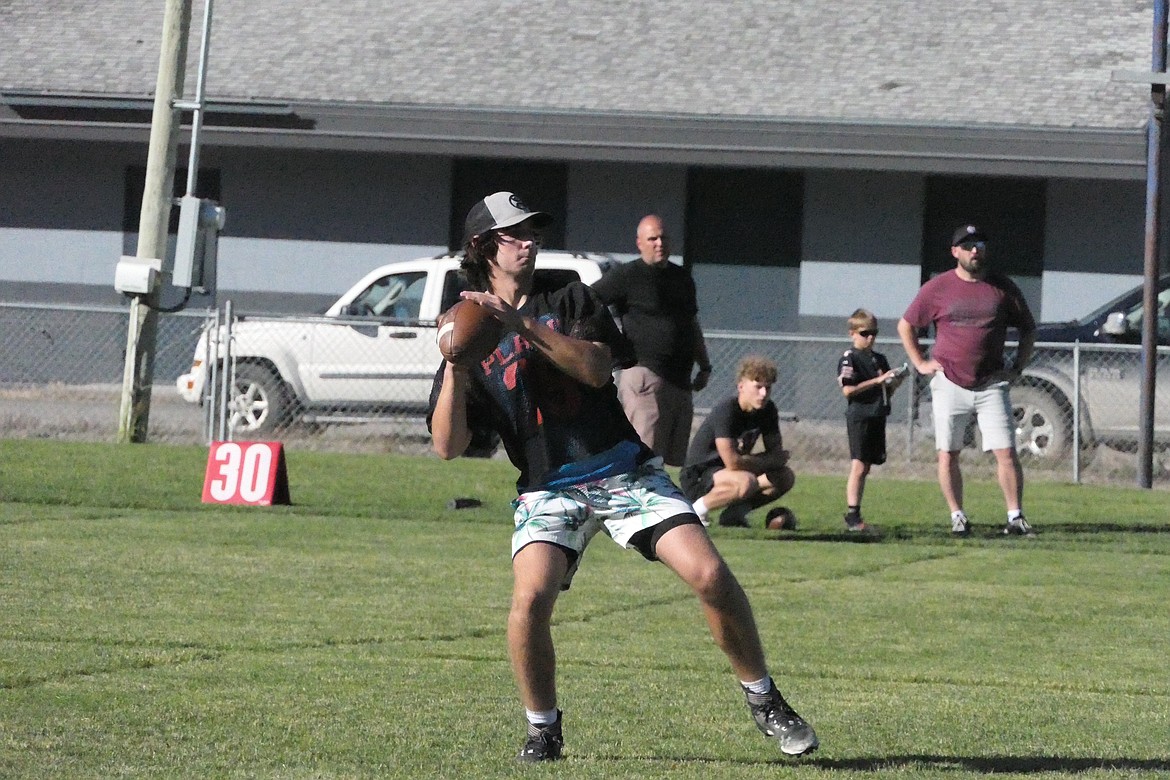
(302, 226)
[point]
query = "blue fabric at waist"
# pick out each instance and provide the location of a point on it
(622, 458)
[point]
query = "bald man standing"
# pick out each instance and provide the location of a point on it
(656, 304)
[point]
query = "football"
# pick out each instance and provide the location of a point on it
(468, 333)
(780, 519)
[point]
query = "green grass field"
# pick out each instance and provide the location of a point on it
(359, 633)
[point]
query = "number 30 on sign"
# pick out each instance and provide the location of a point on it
(246, 472)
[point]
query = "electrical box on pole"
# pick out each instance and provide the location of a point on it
(137, 275)
(196, 246)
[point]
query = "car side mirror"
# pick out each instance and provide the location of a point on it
(1115, 324)
(352, 310)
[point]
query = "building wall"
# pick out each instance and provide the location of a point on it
(1093, 244)
(60, 212)
(862, 242)
(606, 201)
(302, 226)
(314, 222)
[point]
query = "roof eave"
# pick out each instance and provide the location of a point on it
(747, 141)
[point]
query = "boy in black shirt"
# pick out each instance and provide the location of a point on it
(722, 468)
(867, 381)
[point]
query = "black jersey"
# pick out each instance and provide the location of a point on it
(549, 422)
(857, 366)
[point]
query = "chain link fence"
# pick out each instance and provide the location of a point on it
(361, 384)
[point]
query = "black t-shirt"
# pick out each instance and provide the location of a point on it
(546, 419)
(857, 366)
(657, 306)
(728, 421)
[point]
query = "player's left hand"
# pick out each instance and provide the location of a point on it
(701, 379)
(506, 313)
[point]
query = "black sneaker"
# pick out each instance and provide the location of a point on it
(544, 743)
(735, 515)
(776, 719)
(855, 523)
(1018, 527)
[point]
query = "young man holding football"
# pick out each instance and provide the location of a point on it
(548, 391)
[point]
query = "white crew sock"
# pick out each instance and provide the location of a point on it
(700, 509)
(541, 717)
(761, 686)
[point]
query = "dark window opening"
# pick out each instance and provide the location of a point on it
(1010, 211)
(744, 217)
(542, 185)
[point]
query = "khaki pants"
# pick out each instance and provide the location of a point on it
(660, 412)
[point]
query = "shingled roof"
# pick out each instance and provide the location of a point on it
(924, 63)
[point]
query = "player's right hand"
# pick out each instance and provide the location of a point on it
(928, 367)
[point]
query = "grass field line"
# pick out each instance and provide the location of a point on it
(984, 765)
(25, 682)
(976, 683)
(988, 765)
(204, 655)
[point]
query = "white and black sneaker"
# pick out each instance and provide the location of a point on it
(1018, 526)
(544, 743)
(960, 525)
(776, 719)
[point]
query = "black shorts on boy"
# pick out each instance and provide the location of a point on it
(867, 439)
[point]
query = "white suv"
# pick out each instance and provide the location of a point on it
(371, 353)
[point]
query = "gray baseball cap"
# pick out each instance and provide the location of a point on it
(500, 210)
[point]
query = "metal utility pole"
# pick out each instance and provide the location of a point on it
(1154, 139)
(138, 374)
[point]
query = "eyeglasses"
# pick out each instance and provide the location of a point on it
(516, 236)
(867, 334)
(971, 246)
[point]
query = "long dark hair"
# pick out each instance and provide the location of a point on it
(479, 253)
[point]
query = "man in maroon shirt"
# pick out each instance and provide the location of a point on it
(971, 309)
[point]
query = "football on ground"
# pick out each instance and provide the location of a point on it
(468, 333)
(780, 519)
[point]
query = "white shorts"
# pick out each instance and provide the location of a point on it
(621, 506)
(953, 406)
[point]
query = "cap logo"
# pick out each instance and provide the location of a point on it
(516, 203)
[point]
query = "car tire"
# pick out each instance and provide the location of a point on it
(1043, 424)
(260, 403)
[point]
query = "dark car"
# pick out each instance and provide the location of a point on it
(1110, 380)
(1117, 322)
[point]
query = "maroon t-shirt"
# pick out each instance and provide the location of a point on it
(971, 320)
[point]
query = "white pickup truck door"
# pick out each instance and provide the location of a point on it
(380, 355)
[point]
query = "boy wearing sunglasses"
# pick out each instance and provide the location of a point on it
(868, 382)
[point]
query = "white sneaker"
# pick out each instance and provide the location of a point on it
(960, 525)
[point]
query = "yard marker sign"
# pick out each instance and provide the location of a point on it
(246, 472)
